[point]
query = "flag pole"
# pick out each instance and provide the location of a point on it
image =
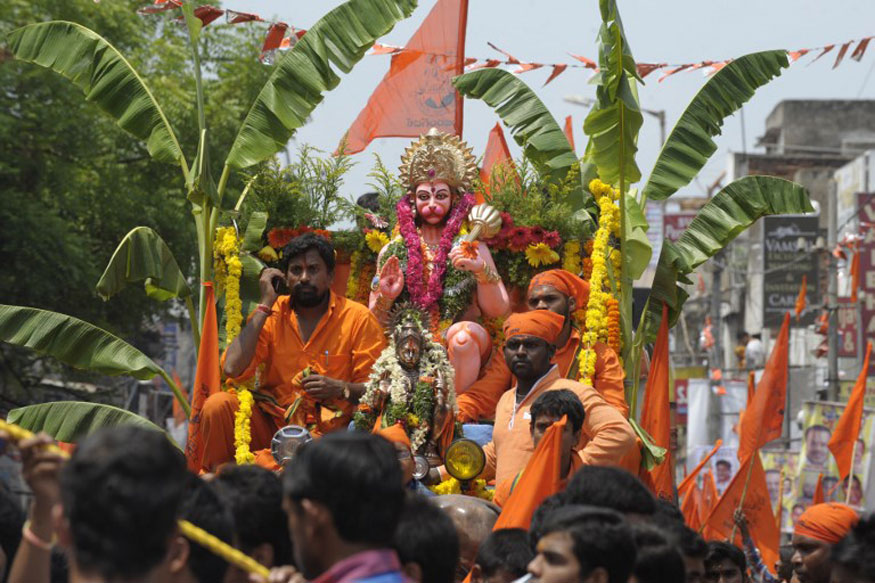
(779, 512)
(851, 473)
(744, 491)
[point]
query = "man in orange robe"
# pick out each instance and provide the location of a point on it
(563, 293)
(529, 349)
(338, 340)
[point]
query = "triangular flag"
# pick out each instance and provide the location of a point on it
(818, 491)
(690, 479)
(800, 299)
(557, 70)
(417, 93)
(569, 132)
(207, 379)
(847, 429)
(690, 507)
(656, 414)
(495, 155)
(539, 479)
(748, 491)
(709, 496)
(764, 416)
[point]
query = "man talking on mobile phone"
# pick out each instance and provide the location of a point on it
(310, 352)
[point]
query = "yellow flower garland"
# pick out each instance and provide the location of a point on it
(355, 264)
(571, 257)
(452, 486)
(229, 269)
(242, 427)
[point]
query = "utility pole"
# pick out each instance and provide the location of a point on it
(832, 377)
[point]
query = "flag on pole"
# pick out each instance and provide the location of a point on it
(495, 155)
(417, 93)
(819, 498)
(800, 299)
(709, 497)
(764, 416)
(847, 429)
(569, 132)
(207, 379)
(690, 480)
(656, 414)
(690, 507)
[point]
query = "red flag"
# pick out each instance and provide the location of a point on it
(557, 70)
(569, 131)
(857, 55)
(656, 413)
(748, 484)
(589, 63)
(855, 274)
(274, 37)
(800, 299)
(496, 154)
(847, 429)
(764, 416)
(690, 480)
(795, 55)
(825, 50)
(690, 507)
(417, 93)
(841, 55)
(235, 17)
(208, 14)
(207, 379)
(540, 478)
(818, 491)
(645, 69)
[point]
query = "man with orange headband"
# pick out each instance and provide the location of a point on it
(819, 527)
(529, 351)
(397, 436)
(563, 293)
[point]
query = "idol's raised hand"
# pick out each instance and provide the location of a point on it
(391, 279)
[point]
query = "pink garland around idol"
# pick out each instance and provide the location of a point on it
(427, 296)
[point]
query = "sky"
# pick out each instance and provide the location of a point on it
(676, 31)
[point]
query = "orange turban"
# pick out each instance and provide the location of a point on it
(828, 522)
(542, 324)
(565, 282)
(396, 434)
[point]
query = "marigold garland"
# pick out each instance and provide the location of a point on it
(229, 269)
(352, 282)
(242, 427)
(452, 486)
(571, 257)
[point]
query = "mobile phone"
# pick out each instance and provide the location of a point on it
(280, 286)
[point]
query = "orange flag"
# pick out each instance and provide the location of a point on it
(690, 480)
(847, 429)
(690, 507)
(496, 153)
(656, 415)
(818, 491)
(179, 416)
(709, 497)
(800, 299)
(207, 379)
(855, 275)
(764, 415)
(757, 507)
(569, 131)
(417, 93)
(540, 478)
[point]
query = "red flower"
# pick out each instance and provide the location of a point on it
(519, 238)
(552, 239)
(537, 234)
(506, 221)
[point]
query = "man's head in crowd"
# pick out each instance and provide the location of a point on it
(530, 343)
(692, 547)
(819, 527)
(724, 471)
(308, 262)
(784, 565)
(397, 436)
(657, 560)
(816, 440)
(559, 291)
(856, 497)
(583, 544)
(610, 487)
(547, 506)
(426, 542)
(254, 496)
(773, 484)
(120, 495)
(327, 522)
(549, 408)
(853, 557)
(503, 557)
(473, 519)
(725, 563)
(203, 507)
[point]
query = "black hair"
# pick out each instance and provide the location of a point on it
(724, 463)
(255, 498)
(741, 334)
(610, 487)
(856, 551)
(785, 552)
(601, 538)
(303, 243)
(356, 476)
(121, 492)
(548, 505)
(758, 336)
(670, 520)
(369, 201)
(506, 548)
(426, 536)
(719, 550)
(667, 513)
(11, 523)
(657, 560)
(202, 507)
(557, 404)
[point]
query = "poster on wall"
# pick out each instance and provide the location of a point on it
(777, 463)
(724, 464)
(783, 238)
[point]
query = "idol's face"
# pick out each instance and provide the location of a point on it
(433, 201)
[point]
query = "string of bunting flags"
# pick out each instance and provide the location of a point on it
(281, 36)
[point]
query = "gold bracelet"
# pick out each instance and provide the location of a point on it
(383, 303)
(488, 275)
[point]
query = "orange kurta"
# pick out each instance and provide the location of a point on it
(480, 400)
(605, 438)
(504, 489)
(345, 344)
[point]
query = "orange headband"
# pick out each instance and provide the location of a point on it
(542, 324)
(828, 522)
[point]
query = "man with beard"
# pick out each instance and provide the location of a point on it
(817, 530)
(312, 351)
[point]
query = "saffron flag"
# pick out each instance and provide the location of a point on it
(818, 491)
(800, 299)
(764, 416)
(690, 507)
(847, 429)
(569, 132)
(207, 379)
(748, 491)
(417, 93)
(656, 414)
(855, 274)
(709, 497)
(495, 155)
(539, 479)
(690, 480)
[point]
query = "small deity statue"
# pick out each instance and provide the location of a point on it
(411, 384)
(452, 279)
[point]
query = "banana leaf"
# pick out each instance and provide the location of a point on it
(637, 246)
(71, 421)
(104, 75)
(690, 144)
(252, 237)
(304, 74)
(721, 220)
(144, 256)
